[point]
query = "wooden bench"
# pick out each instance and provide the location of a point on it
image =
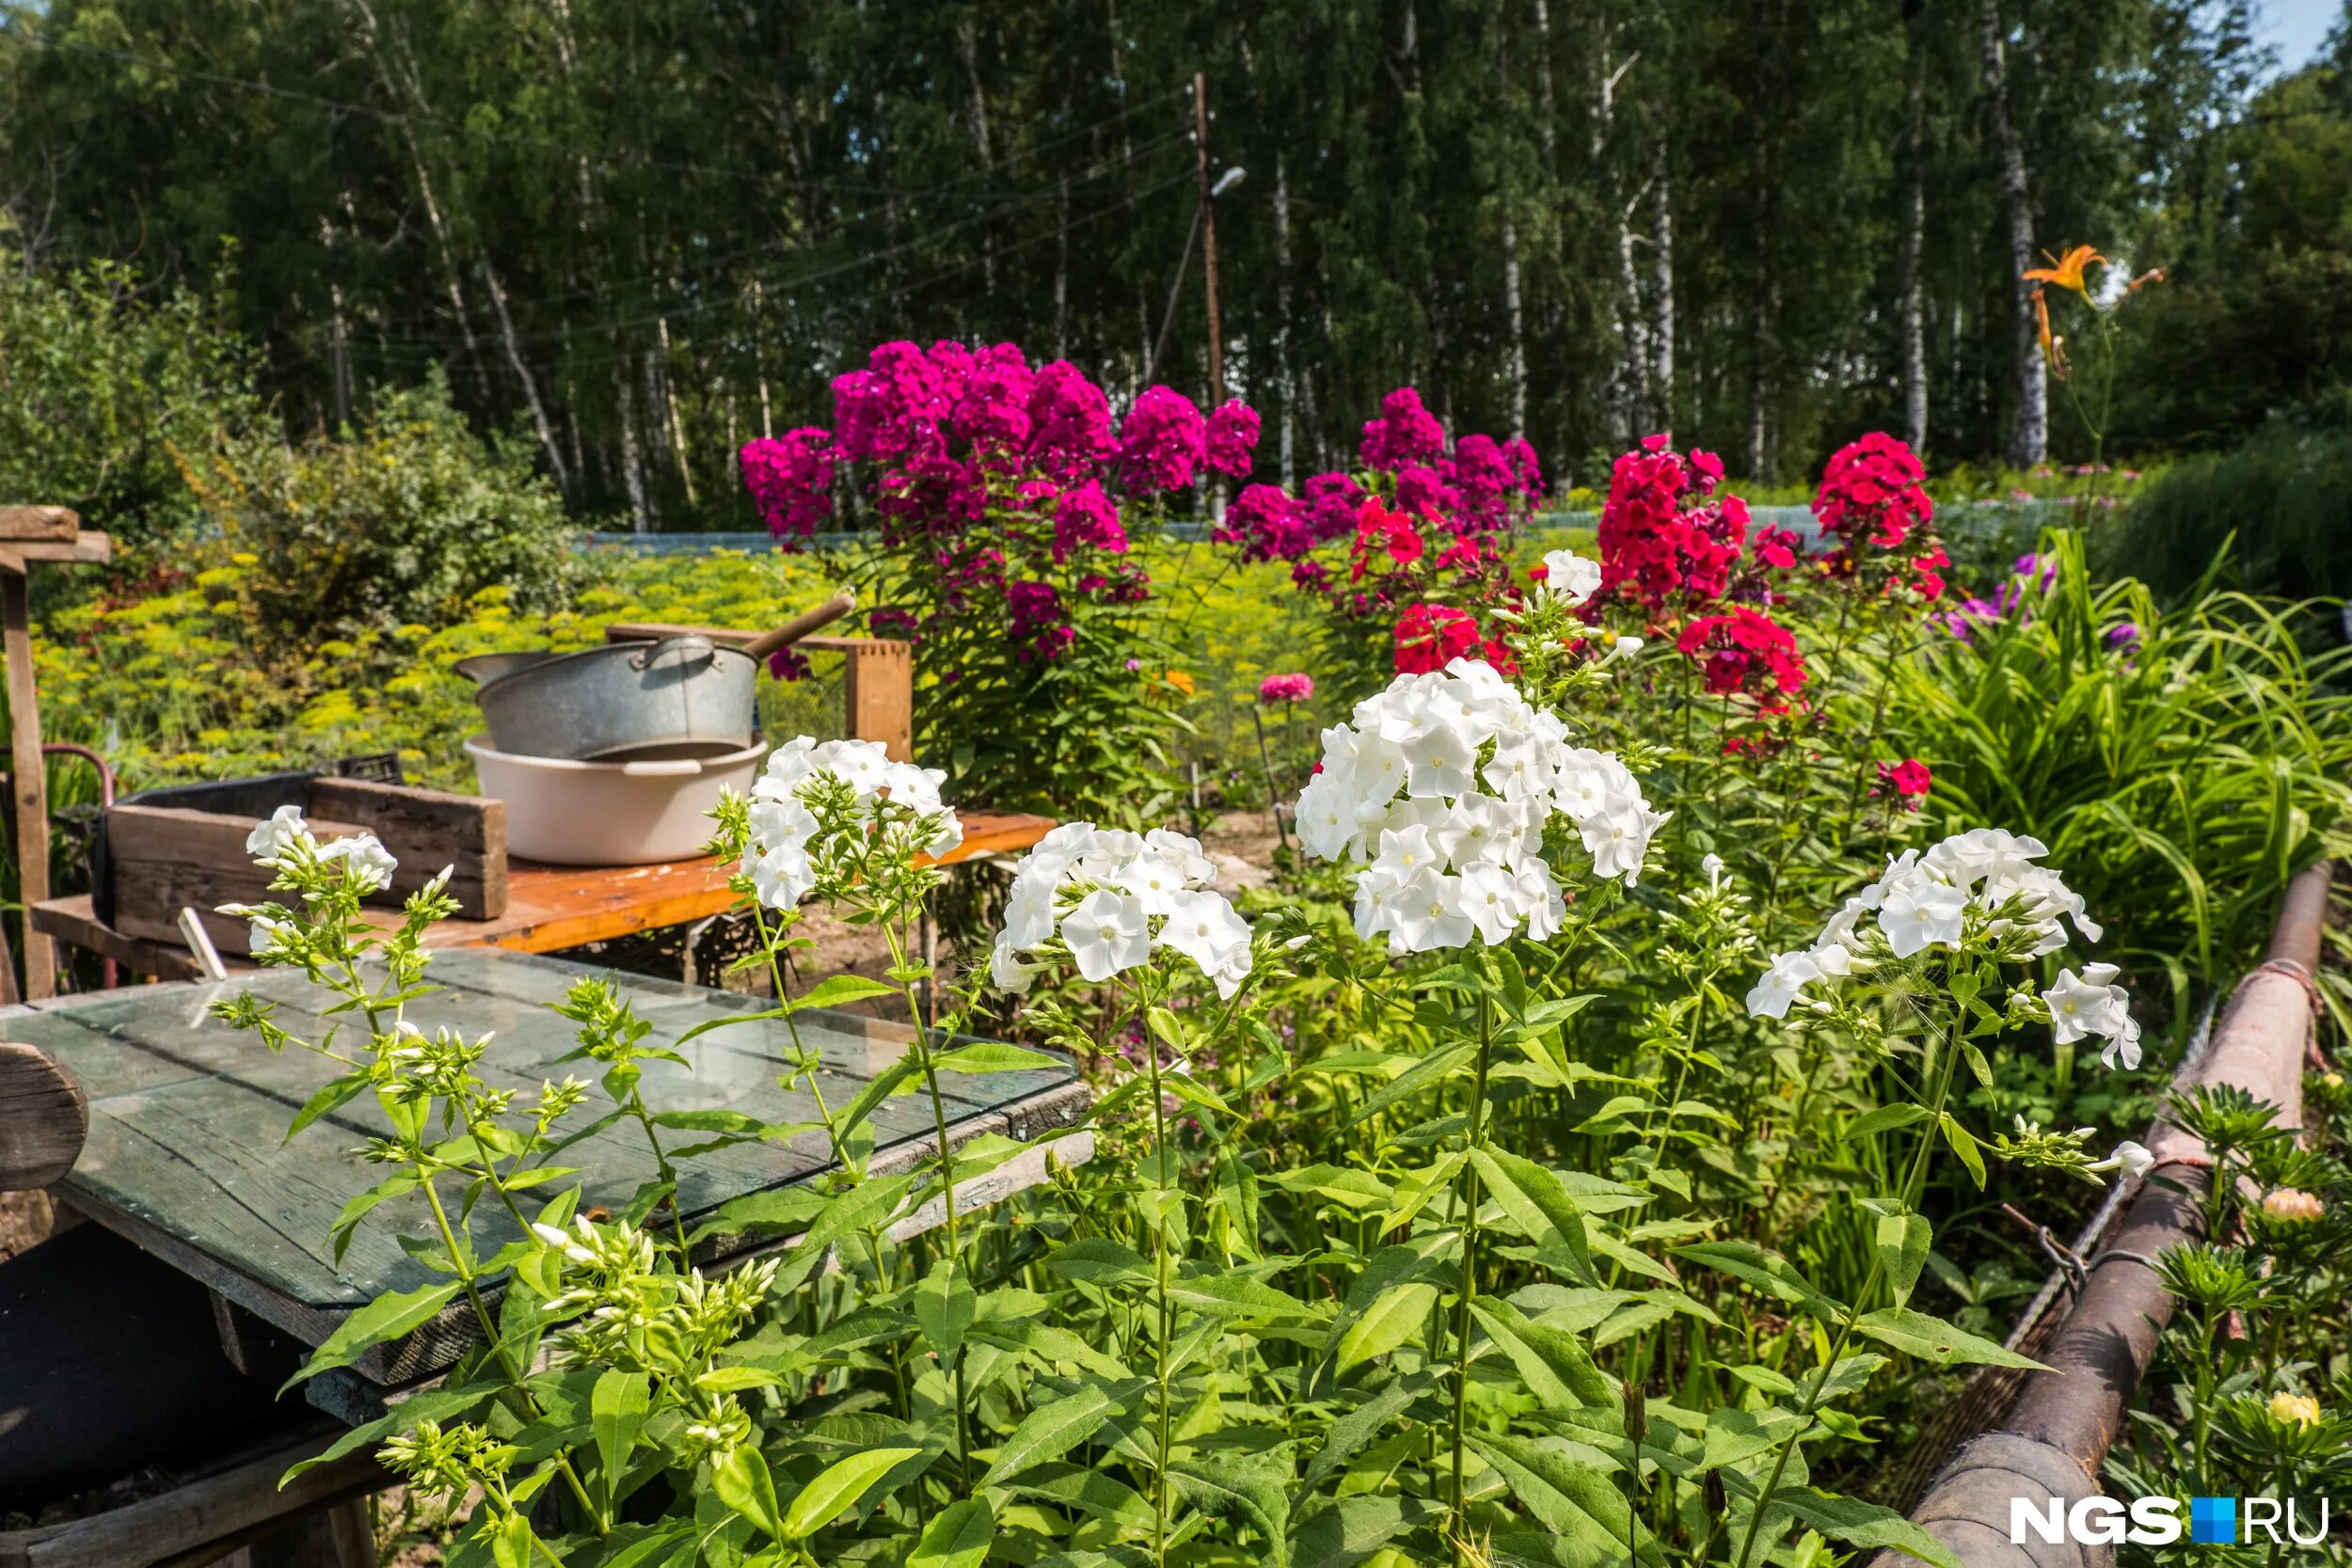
(222, 1502)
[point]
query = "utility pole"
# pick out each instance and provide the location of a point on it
(1208, 237)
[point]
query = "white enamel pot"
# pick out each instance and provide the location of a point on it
(632, 812)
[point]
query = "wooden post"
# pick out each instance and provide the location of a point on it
(32, 790)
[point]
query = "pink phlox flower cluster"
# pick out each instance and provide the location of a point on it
(791, 479)
(1162, 440)
(1665, 534)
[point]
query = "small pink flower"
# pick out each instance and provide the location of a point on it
(1286, 688)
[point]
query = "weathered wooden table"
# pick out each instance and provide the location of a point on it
(548, 907)
(187, 1156)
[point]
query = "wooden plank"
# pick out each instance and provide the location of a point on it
(75, 921)
(86, 548)
(32, 780)
(429, 829)
(44, 1118)
(50, 524)
(877, 697)
(209, 1509)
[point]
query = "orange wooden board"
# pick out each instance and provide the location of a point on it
(549, 907)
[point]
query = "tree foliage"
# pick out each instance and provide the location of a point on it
(652, 229)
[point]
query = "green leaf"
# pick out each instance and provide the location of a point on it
(1964, 1145)
(1342, 1184)
(1394, 1317)
(1573, 1499)
(1353, 1429)
(776, 1211)
(387, 1317)
(438, 1405)
(1537, 1203)
(996, 1056)
(943, 1308)
(1097, 1261)
(839, 991)
(1352, 1529)
(1934, 1339)
(1884, 1119)
(959, 1537)
(1237, 1295)
(1088, 1489)
(1553, 1363)
(1053, 1429)
(331, 1097)
(1430, 1070)
(742, 1482)
(359, 1208)
(1228, 1485)
(1861, 1523)
(616, 1413)
(1901, 1239)
(1769, 1272)
(837, 1488)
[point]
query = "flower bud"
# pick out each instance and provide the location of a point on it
(2292, 1205)
(2294, 1409)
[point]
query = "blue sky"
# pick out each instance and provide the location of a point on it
(2296, 28)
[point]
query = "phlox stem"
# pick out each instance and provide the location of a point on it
(1466, 1200)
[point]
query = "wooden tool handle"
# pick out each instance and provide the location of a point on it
(800, 626)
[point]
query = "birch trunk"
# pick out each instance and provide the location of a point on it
(1661, 237)
(2030, 443)
(1914, 328)
(1282, 371)
(632, 460)
(677, 425)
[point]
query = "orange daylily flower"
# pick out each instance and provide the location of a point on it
(2067, 271)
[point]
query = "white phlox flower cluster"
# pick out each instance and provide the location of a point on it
(783, 856)
(1114, 897)
(1924, 901)
(1441, 789)
(284, 843)
(285, 839)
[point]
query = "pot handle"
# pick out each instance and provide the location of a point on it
(663, 768)
(686, 650)
(800, 626)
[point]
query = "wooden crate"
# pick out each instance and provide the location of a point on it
(164, 857)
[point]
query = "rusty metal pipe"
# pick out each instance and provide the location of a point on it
(2053, 1439)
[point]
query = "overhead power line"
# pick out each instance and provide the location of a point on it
(636, 157)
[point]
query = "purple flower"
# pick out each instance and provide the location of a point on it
(1425, 494)
(791, 479)
(1069, 421)
(1286, 688)
(1405, 433)
(1267, 524)
(1160, 440)
(993, 411)
(1232, 436)
(1085, 518)
(2125, 637)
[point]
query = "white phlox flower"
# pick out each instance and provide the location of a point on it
(366, 861)
(784, 858)
(1569, 576)
(1441, 789)
(269, 841)
(2092, 1003)
(1115, 897)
